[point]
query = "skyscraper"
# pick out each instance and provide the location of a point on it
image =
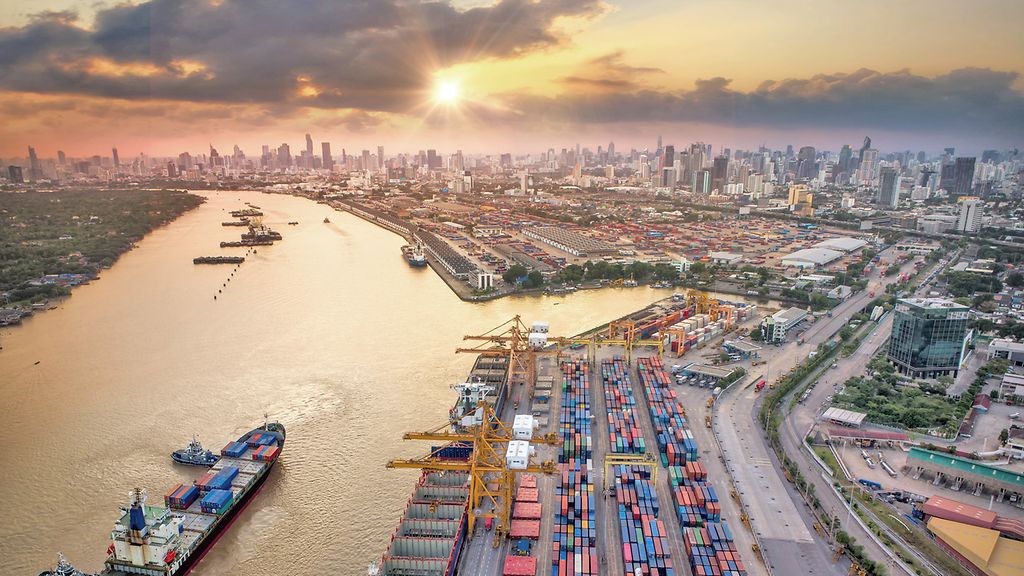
(888, 188)
(117, 160)
(701, 183)
(969, 219)
(328, 161)
(845, 154)
(864, 148)
(720, 172)
(62, 159)
(309, 145)
(284, 156)
(34, 171)
(807, 163)
(868, 161)
(668, 159)
(15, 175)
(366, 160)
(380, 156)
(433, 160)
(929, 336)
(964, 176)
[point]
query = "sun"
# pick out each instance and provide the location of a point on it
(447, 92)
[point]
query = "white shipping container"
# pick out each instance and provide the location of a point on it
(517, 457)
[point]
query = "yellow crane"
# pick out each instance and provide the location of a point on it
(486, 466)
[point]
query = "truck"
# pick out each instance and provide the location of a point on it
(869, 483)
(759, 386)
(522, 547)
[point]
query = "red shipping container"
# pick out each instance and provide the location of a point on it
(525, 529)
(526, 511)
(520, 566)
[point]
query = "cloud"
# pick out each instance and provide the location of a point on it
(375, 55)
(968, 100)
(609, 72)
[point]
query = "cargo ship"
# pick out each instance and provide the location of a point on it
(261, 233)
(414, 256)
(169, 540)
(430, 535)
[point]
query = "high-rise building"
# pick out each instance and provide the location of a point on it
(14, 174)
(868, 165)
(888, 188)
(720, 172)
(309, 145)
(433, 160)
(172, 169)
(117, 160)
(35, 172)
(845, 154)
(62, 159)
(964, 183)
(701, 183)
(969, 219)
(327, 160)
(284, 156)
(366, 160)
(807, 163)
(380, 156)
(669, 157)
(929, 336)
(864, 147)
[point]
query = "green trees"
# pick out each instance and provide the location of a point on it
(533, 280)
(514, 272)
(1015, 279)
(967, 284)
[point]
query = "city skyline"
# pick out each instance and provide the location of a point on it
(508, 76)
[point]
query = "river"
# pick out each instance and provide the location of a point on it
(328, 331)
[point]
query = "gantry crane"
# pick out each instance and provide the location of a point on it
(486, 465)
(624, 333)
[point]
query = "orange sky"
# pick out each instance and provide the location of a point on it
(165, 76)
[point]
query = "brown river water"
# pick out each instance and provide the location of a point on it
(328, 331)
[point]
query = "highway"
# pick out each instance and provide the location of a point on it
(777, 513)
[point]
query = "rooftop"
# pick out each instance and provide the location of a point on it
(817, 256)
(844, 416)
(933, 303)
(790, 314)
(843, 244)
(968, 466)
(986, 549)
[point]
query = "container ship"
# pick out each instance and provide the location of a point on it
(414, 256)
(169, 540)
(430, 535)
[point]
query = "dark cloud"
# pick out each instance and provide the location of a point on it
(609, 72)
(968, 100)
(365, 54)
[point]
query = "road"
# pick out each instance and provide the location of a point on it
(777, 514)
(799, 421)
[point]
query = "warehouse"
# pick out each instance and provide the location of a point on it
(968, 475)
(844, 417)
(572, 242)
(725, 258)
(842, 244)
(811, 258)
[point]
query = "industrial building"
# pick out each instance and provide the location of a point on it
(842, 244)
(969, 475)
(775, 327)
(983, 551)
(844, 417)
(1009, 350)
(1011, 388)
(569, 241)
(929, 337)
(811, 258)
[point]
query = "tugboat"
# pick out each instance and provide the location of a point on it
(64, 568)
(414, 256)
(194, 455)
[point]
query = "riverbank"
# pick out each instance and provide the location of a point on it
(53, 242)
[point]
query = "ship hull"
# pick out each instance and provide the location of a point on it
(222, 525)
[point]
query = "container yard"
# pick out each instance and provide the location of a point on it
(626, 491)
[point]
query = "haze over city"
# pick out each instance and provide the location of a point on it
(512, 288)
(161, 77)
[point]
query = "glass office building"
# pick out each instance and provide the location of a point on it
(929, 337)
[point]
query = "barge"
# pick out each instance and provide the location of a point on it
(218, 260)
(170, 539)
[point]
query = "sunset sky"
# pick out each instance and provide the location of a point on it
(165, 76)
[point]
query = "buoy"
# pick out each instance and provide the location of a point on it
(219, 291)
(214, 296)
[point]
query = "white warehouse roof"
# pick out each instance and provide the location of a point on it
(811, 257)
(843, 244)
(847, 417)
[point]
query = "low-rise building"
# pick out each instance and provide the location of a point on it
(1011, 388)
(775, 327)
(811, 258)
(929, 337)
(725, 258)
(1009, 350)
(1015, 443)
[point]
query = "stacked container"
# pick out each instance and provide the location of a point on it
(216, 501)
(574, 549)
(218, 481)
(624, 436)
(181, 496)
(675, 440)
(645, 546)
(708, 540)
(234, 449)
(265, 453)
